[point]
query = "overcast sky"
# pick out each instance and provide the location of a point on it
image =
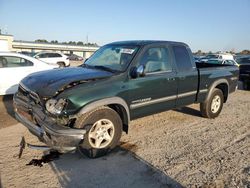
(206, 25)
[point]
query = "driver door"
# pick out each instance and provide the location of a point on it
(157, 90)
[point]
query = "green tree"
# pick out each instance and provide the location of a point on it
(41, 41)
(54, 42)
(79, 43)
(72, 42)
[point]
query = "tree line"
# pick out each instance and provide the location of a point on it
(80, 43)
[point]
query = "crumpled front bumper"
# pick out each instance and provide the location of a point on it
(61, 138)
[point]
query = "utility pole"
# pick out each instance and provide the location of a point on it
(87, 38)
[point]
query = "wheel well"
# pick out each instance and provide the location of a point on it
(61, 62)
(123, 115)
(224, 88)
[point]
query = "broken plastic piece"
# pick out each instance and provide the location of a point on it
(21, 147)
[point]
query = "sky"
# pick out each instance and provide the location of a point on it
(207, 25)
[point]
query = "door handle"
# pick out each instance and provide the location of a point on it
(170, 79)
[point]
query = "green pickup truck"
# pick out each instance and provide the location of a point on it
(88, 107)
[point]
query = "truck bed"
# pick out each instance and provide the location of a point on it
(208, 65)
(209, 73)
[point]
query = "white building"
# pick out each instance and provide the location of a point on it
(7, 43)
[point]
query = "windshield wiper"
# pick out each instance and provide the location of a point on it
(85, 65)
(105, 68)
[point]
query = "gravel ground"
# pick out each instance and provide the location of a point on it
(177, 148)
(196, 151)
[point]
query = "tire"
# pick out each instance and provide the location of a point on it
(212, 107)
(101, 123)
(61, 64)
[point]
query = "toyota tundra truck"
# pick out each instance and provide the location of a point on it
(87, 108)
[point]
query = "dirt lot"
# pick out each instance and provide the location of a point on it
(176, 148)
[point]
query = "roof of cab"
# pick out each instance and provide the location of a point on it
(146, 42)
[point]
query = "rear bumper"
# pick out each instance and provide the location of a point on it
(57, 137)
(67, 63)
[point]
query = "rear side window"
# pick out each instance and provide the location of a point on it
(182, 58)
(11, 61)
(54, 55)
(44, 55)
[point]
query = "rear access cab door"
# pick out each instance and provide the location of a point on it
(187, 75)
(157, 90)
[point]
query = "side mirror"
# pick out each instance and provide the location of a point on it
(138, 71)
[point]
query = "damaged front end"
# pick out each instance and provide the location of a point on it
(45, 120)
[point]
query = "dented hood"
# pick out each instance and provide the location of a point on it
(47, 83)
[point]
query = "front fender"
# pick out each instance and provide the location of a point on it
(106, 101)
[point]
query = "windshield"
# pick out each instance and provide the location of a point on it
(112, 57)
(211, 56)
(214, 61)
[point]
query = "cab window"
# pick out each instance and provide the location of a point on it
(182, 58)
(156, 59)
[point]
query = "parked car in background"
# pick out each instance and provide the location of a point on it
(244, 64)
(74, 57)
(53, 58)
(14, 67)
(197, 59)
(222, 62)
(226, 56)
(217, 56)
(31, 54)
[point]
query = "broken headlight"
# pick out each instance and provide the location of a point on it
(55, 106)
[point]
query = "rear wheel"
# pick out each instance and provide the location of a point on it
(104, 129)
(213, 106)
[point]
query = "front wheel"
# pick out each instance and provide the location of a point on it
(104, 129)
(213, 105)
